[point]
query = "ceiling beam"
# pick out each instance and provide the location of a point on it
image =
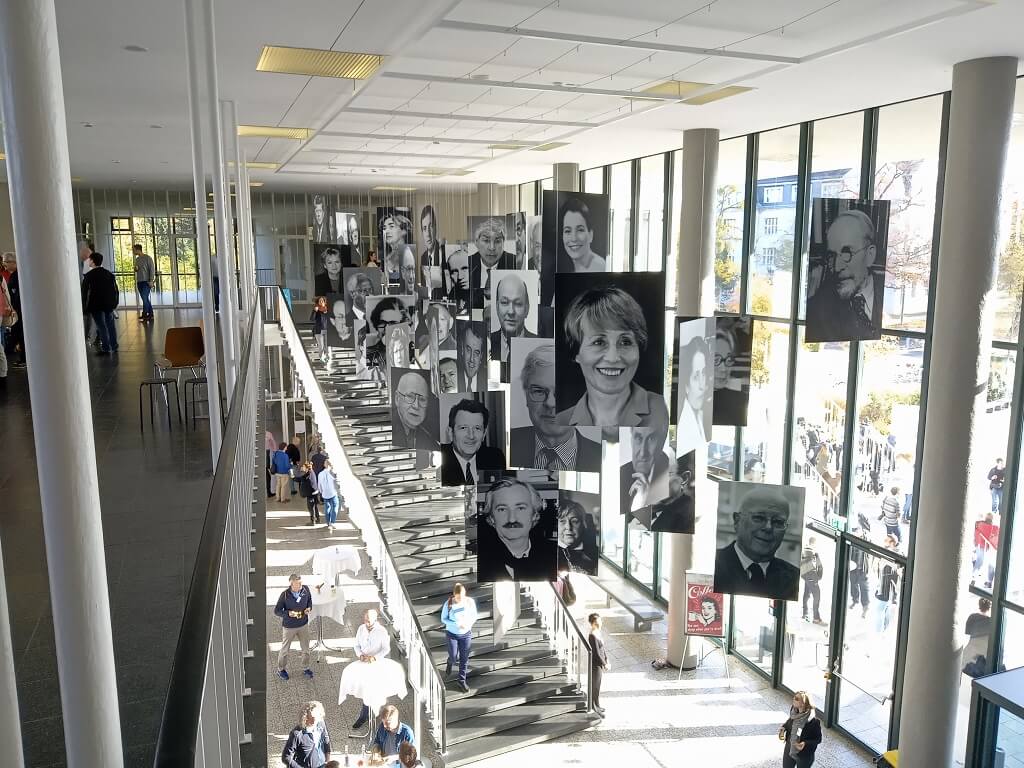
(425, 139)
(565, 37)
(524, 86)
(394, 153)
(467, 118)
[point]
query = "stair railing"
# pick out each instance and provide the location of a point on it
(424, 678)
(570, 642)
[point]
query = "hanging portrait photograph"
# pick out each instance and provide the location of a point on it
(734, 337)
(347, 225)
(644, 462)
(579, 531)
(516, 527)
(693, 383)
(471, 349)
(431, 245)
(448, 372)
(414, 422)
(472, 429)
(441, 322)
(676, 513)
(705, 608)
(360, 284)
(321, 216)
(522, 234)
(609, 334)
(330, 261)
(382, 313)
(513, 313)
(537, 439)
(534, 243)
(339, 327)
(489, 240)
(455, 277)
(758, 543)
(394, 234)
(846, 269)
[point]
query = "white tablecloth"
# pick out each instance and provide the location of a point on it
(331, 561)
(373, 681)
(329, 602)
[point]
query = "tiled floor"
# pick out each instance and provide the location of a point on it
(154, 489)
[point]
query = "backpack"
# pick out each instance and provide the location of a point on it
(305, 486)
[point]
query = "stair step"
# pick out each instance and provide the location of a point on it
(495, 680)
(507, 658)
(430, 604)
(440, 588)
(502, 720)
(521, 736)
(430, 557)
(434, 545)
(506, 698)
(481, 650)
(439, 572)
(483, 628)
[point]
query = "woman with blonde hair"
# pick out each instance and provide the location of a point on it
(309, 743)
(801, 733)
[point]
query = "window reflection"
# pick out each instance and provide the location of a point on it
(528, 198)
(754, 630)
(764, 434)
(640, 562)
(808, 622)
(593, 181)
(732, 172)
(1010, 274)
(651, 218)
(620, 203)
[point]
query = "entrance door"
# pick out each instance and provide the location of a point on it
(294, 268)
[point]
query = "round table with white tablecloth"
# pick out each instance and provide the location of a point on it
(328, 602)
(373, 681)
(331, 561)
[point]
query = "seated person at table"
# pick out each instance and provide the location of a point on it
(391, 733)
(372, 642)
(408, 757)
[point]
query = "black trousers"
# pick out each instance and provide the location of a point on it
(812, 592)
(597, 677)
(859, 587)
(800, 762)
(314, 510)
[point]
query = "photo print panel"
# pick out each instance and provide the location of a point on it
(394, 231)
(472, 428)
(471, 350)
(579, 531)
(705, 608)
(448, 372)
(347, 225)
(575, 235)
(358, 340)
(516, 527)
(644, 463)
(609, 333)
(329, 261)
(321, 216)
(431, 245)
(677, 512)
(731, 354)
(360, 284)
(456, 277)
(398, 342)
(414, 422)
(522, 234)
(534, 245)
(339, 328)
(441, 322)
(382, 313)
(490, 239)
(846, 269)
(409, 278)
(693, 383)
(513, 313)
(758, 540)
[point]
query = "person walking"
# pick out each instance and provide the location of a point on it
(458, 614)
(271, 447)
(309, 743)
(293, 607)
(327, 486)
(886, 593)
(319, 319)
(100, 298)
(317, 456)
(307, 490)
(891, 511)
(8, 317)
(801, 732)
(15, 333)
(996, 478)
(295, 458)
(859, 579)
(145, 277)
(811, 571)
(598, 659)
(282, 467)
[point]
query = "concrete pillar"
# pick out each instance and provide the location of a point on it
(10, 722)
(229, 124)
(39, 173)
(565, 177)
(695, 282)
(203, 232)
(981, 113)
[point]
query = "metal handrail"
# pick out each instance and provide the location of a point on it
(835, 673)
(575, 651)
(428, 684)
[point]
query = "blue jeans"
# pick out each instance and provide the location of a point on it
(997, 498)
(458, 645)
(106, 330)
(147, 305)
(331, 510)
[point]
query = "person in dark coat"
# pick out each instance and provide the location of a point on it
(309, 743)
(511, 541)
(598, 659)
(100, 298)
(801, 733)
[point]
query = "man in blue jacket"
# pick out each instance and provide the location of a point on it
(282, 467)
(294, 606)
(309, 743)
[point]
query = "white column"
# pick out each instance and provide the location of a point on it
(10, 725)
(221, 210)
(39, 174)
(565, 177)
(695, 282)
(981, 113)
(229, 124)
(246, 225)
(203, 233)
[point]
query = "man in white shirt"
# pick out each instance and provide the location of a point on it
(372, 643)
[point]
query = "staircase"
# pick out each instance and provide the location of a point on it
(521, 692)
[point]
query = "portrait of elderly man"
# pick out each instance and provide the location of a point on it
(466, 454)
(675, 513)
(644, 478)
(578, 545)
(448, 374)
(455, 278)
(547, 444)
(339, 329)
(358, 286)
(510, 310)
(489, 237)
(471, 347)
(442, 325)
(511, 542)
(412, 406)
(604, 340)
(535, 257)
(846, 278)
(428, 236)
(763, 518)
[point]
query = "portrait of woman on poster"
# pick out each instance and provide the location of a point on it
(696, 391)
(396, 231)
(351, 237)
(606, 336)
(577, 237)
(328, 276)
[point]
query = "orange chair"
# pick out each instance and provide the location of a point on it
(184, 350)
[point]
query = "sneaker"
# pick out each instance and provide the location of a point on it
(358, 726)
(819, 622)
(448, 671)
(463, 687)
(308, 673)
(283, 674)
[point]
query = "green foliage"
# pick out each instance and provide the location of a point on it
(878, 410)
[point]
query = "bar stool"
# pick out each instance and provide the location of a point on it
(164, 385)
(191, 385)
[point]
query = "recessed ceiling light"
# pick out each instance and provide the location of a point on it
(258, 166)
(511, 145)
(115, 161)
(255, 183)
(165, 162)
(721, 93)
(136, 49)
(2, 157)
(317, 62)
(549, 146)
(156, 125)
(479, 77)
(75, 179)
(460, 172)
(433, 172)
(275, 132)
(87, 125)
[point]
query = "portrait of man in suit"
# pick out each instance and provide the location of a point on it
(411, 406)
(511, 542)
(578, 540)
(472, 355)
(643, 479)
(489, 238)
(510, 312)
(546, 444)
(676, 512)
(762, 517)
(465, 455)
(448, 374)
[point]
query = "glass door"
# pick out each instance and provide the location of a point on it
(865, 662)
(295, 270)
(186, 263)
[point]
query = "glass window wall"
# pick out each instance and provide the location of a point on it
(729, 222)
(593, 181)
(650, 255)
(621, 205)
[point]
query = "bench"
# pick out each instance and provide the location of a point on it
(630, 598)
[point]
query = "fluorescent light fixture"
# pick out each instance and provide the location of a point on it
(2, 156)
(317, 62)
(255, 183)
(511, 145)
(677, 88)
(721, 93)
(275, 132)
(549, 146)
(460, 172)
(258, 166)
(394, 189)
(433, 172)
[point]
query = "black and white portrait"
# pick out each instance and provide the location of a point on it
(490, 240)
(609, 334)
(472, 432)
(414, 422)
(694, 384)
(676, 513)
(576, 231)
(360, 284)
(347, 225)
(330, 261)
(579, 532)
(734, 338)
(759, 539)
(384, 312)
(399, 345)
(455, 277)
(516, 537)
(441, 321)
(448, 372)
(537, 439)
(322, 216)
(339, 328)
(513, 312)
(394, 235)
(409, 277)
(522, 238)
(471, 349)
(534, 241)
(644, 460)
(846, 270)
(430, 243)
